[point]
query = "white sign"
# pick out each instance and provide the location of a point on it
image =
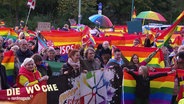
(44, 26)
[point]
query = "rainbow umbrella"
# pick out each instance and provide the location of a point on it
(151, 15)
(101, 20)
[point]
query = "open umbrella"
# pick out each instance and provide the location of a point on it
(101, 20)
(151, 15)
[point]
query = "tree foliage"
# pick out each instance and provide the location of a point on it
(59, 11)
(119, 11)
(69, 9)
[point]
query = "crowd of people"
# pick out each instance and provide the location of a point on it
(30, 67)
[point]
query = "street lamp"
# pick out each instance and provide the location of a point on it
(79, 14)
(132, 10)
(100, 8)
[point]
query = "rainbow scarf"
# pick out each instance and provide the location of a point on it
(161, 88)
(8, 62)
(143, 53)
(8, 33)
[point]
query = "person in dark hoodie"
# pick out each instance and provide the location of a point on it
(143, 79)
(147, 41)
(105, 49)
(23, 51)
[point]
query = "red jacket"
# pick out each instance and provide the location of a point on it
(31, 76)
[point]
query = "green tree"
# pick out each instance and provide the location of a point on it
(59, 11)
(69, 9)
(119, 11)
(13, 10)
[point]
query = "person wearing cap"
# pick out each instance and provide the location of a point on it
(3, 76)
(29, 75)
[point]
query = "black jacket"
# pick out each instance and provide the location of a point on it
(4, 83)
(71, 72)
(105, 51)
(44, 70)
(22, 55)
(143, 84)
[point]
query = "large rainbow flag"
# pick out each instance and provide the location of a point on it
(129, 39)
(143, 53)
(123, 29)
(8, 62)
(60, 38)
(8, 33)
(63, 39)
(166, 35)
(161, 88)
(113, 34)
(126, 40)
(113, 40)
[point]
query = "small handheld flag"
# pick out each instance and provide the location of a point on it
(31, 3)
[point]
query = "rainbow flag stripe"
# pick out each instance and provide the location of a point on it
(180, 73)
(123, 29)
(167, 34)
(63, 38)
(113, 34)
(87, 38)
(8, 33)
(8, 62)
(161, 88)
(143, 53)
(126, 40)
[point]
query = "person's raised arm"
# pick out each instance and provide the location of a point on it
(161, 74)
(148, 59)
(130, 72)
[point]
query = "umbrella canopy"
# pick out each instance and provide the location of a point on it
(151, 15)
(101, 20)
